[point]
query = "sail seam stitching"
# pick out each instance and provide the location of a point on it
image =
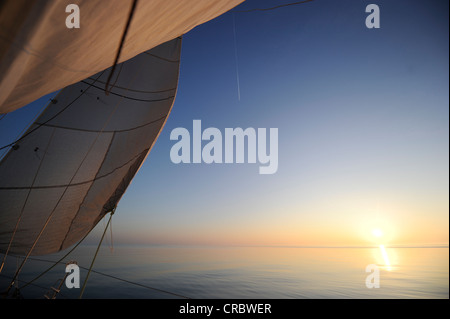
(92, 183)
(99, 131)
(164, 59)
(129, 97)
(75, 184)
(131, 90)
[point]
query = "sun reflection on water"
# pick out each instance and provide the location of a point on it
(387, 263)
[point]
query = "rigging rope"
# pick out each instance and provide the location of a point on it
(51, 214)
(236, 58)
(122, 40)
(89, 150)
(96, 253)
(20, 218)
(23, 130)
(111, 247)
(67, 186)
(54, 116)
(34, 285)
(100, 273)
(60, 261)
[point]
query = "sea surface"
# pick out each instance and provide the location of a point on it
(162, 272)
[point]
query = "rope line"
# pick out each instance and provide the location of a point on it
(47, 221)
(57, 262)
(129, 97)
(31, 284)
(122, 40)
(19, 269)
(41, 111)
(161, 58)
(83, 182)
(131, 90)
(96, 253)
(106, 131)
(236, 59)
(99, 273)
(54, 116)
(76, 172)
(60, 261)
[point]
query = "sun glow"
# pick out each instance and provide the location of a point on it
(377, 228)
(378, 233)
(380, 237)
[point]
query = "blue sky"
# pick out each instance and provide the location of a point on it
(363, 128)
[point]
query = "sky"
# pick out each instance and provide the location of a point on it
(363, 134)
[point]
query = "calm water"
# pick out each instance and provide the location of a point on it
(248, 272)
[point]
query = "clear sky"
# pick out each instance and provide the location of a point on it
(362, 117)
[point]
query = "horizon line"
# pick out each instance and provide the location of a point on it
(283, 246)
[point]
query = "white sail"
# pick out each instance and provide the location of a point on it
(74, 163)
(40, 55)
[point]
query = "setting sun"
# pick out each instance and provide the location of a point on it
(377, 232)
